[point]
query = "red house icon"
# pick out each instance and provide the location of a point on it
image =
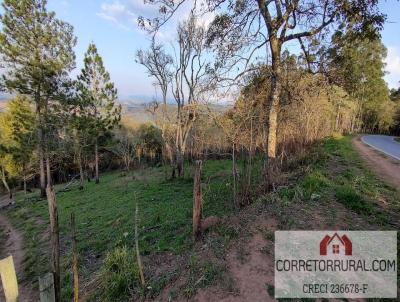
(335, 243)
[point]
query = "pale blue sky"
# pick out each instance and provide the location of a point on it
(111, 24)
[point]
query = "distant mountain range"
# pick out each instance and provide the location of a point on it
(141, 111)
(135, 106)
(136, 98)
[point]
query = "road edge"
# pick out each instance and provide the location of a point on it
(378, 149)
(382, 167)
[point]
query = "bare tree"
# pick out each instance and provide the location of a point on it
(158, 64)
(242, 28)
(189, 82)
(187, 77)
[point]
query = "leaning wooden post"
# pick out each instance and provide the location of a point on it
(197, 200)
(55, 241)
(74, 259)
(139, 260)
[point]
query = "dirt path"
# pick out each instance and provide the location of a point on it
(251, 265)
(13, 245)
(385, 167)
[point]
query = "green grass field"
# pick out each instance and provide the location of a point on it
(355, 185)
(105, 215)
(336, 171)
(330, 171)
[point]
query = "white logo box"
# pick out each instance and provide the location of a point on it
(335, 264)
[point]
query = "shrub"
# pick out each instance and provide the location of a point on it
(314, 183)
(120, 275)
(352, 200)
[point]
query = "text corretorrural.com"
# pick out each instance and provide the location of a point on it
(336, 264)
(350, 265)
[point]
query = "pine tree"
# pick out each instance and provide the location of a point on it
(37, 54)
(37, 51)
(98, 97)
(78, 128)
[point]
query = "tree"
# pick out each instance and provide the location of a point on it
(357, 64)
(98, 96)
(241, 30)
(5, 156)
(395, 95)
(36, 50)
(124, 146)
(6, 165)
(158, 64)
(78, 117)
(17, 128)
(37, 53)
(188, 82)
(148, 141)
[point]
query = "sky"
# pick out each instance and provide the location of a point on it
(112, 26)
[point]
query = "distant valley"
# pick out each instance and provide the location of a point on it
(136, 109)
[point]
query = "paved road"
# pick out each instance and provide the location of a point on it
(383, 143)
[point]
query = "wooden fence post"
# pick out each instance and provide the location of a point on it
(197, 201)
(74, 259)
(138, 258)
(46, 288)
(9, 279)
(55, 241)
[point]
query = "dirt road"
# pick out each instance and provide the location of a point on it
(384, 166)
(13, 245)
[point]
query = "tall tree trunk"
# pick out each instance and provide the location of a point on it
(81, 174)
(352, 123)
(4, 180)
(96, 156)
(250, 159)
(337, 118)
(274, 98)
(173, 165)
(179, 162)
(165, 147)
(234, 174)
(40, 147)
(42, 171)
(48, 170)
(24, 178)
